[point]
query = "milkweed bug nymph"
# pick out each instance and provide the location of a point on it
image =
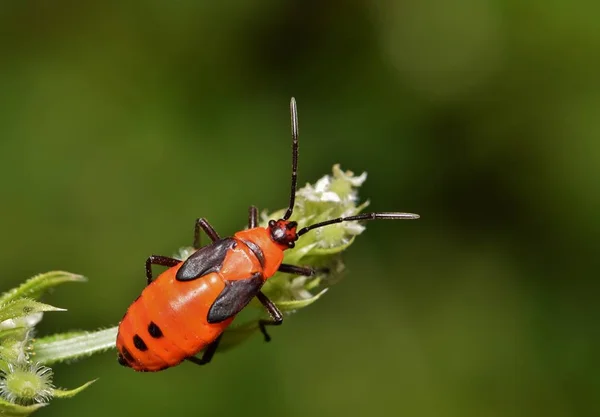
(186, 308)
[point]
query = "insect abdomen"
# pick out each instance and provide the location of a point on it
(163, 326)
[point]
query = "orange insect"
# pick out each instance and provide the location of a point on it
(187, 308)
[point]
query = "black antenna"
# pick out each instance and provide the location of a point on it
(294, 118)
(364, 216)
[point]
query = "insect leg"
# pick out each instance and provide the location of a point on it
(203, 223)
(276, 316)
(208, 353)
(158, 260)
(252, 217)
(301, 270)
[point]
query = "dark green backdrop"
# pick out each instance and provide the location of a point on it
(119, 125)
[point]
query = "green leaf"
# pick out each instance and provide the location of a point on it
(294, 256)
(9, 409)
(24, 307)
(291, 305)
(333, 250)
(12, 342)
(74, 345)
(8, 354)
(13, 334)
(310, 284)
(36, 286)
(63, 393)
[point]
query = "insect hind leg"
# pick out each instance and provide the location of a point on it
(208, 354)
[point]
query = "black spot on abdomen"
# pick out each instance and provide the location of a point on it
(154, 330)
(139, 343)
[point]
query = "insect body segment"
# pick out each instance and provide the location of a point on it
(165, 318)
(189, 306)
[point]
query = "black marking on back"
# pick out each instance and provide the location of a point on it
(154, 330)
(205, 260)
(256, 250)
(235, 296)
(139, 343)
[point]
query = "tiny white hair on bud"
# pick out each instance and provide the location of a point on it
(27, 383)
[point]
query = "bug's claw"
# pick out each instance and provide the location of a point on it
(264, 332)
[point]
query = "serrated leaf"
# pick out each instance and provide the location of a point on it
(24, 307)
(64, 393)
(311, 284)
(74, 345)
(12, 342)
(27, 321)
(290, 305)
(36, 286)
(13, 334)
(275, 288)
(333, 250)
(8, 354)
(293, 256)
(15, 410)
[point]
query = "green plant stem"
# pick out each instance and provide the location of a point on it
(58, 348)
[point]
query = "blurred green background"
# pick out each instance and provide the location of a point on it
(120, 124)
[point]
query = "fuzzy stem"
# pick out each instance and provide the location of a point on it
(58, 348)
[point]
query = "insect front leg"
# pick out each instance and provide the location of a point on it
(208, 229)
(276, 316)
(158, 260)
